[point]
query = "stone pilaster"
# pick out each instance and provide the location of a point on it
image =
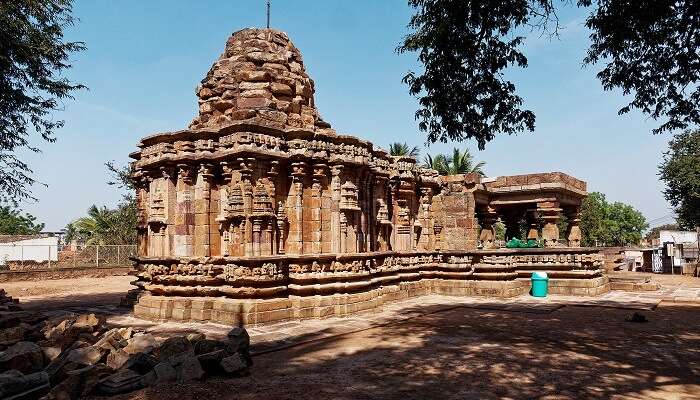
(295, 209)
(202, 198)
(573, 233)
(549, 212)
(487, 219)
(183, 239)
(533, 232)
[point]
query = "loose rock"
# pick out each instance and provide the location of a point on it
(25, 357)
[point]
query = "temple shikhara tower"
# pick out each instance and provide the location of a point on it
(259, 211)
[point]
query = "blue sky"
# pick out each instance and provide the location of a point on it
(145, 58)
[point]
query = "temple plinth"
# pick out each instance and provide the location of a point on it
(260, 211)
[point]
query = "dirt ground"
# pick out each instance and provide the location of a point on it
(463, 353)
(573, 352)
(58, 293)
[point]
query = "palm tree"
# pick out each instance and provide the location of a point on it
(402, 149)
(438, 163)
(93, 229)
(461, 162)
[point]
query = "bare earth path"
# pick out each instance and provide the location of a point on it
(60, 293)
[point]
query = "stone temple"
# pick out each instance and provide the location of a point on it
(259, 211)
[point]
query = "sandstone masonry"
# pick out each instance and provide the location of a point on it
(259, 207)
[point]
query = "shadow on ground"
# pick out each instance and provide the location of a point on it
(479, 353)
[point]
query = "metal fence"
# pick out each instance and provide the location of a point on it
(29, 257)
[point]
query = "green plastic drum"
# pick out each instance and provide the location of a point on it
(540, 283)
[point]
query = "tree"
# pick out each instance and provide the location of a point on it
(33, 55)
(461, 162)
(610, 224)
(402, 149)
(14, 223)
(680, 170)
(650, 50)
(109, 226)
(438, 163)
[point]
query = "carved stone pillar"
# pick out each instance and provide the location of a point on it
(257, 229)
(533, 232)
(573, 234)
(296, 208)
(183, 239)
(487, 237)
(336, 239)
(549, 212)
(318, 182)
(202, 197)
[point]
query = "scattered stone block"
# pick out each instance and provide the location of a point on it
(140, 343)
(123, 381)
(141, 363)
(234, 364)
(25, 357)
(15, 385)
(173, 346)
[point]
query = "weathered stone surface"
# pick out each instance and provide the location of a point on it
(89, 355)
(141, 343)
(122, 381)
(15, 385)
(117, 359)
(141, 363)
(10, 336)
(260, 201)
(187, 366)
(234, 364)
(272, 73)
(238, 340)
(172, 347)
(79, 383)
(25, 357)
(208, 346)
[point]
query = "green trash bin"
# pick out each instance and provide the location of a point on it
(540, 283)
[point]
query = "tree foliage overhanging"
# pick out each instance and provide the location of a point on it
(33, 53)
(680, 170)
(650, 49)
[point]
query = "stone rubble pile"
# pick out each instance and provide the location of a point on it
(7, 303)
(71, 356)
(260, 75)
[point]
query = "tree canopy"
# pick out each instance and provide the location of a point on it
(680, 170)
(650, 50)
(33, 53)
(12, 222)
(610, 224)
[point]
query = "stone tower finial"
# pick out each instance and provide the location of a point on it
(259, 76)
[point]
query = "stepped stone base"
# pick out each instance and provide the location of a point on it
(258, 311)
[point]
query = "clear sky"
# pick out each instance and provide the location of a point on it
(145, 58)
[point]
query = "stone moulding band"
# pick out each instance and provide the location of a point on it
(325, 274)
(241, 290)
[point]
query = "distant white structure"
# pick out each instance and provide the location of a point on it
(38, 249)
(679, 237)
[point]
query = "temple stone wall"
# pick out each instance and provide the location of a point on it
(261, 202)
